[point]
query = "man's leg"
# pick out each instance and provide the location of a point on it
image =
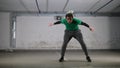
(79, 37)
(67, 38)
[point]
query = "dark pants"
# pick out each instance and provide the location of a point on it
(78, 36)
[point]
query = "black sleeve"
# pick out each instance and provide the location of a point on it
(58, 22)
(85, 24)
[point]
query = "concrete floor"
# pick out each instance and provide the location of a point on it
(49, 59)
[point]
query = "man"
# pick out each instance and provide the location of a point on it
(72, 30)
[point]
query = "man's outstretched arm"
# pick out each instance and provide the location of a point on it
(58, 22)
(85, 24)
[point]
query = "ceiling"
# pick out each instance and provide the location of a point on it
(39, 6)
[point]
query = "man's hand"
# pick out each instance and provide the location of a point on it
(51, 24)
(91, 29)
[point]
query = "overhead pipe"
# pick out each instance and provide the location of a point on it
(21, 1)
(94, 5)
(65, 5)
(38, 6)
(102, 6)
(47, 5)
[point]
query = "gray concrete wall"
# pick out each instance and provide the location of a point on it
(33, 32)
(4, 30)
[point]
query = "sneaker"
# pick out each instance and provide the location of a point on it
(88, 59)
(61, 59)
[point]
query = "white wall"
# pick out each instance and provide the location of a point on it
(4, 30)
(33, 33)
(106, 35)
